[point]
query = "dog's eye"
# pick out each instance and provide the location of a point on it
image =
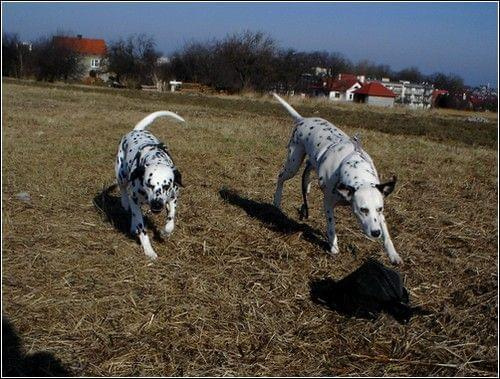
(364, 211)
(379, 209)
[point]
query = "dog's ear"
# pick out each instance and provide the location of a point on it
(178, 178)
(138, 173)
(346, 191)
(387, 188)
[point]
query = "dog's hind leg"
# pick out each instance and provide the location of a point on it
(138, 228)
(295, 157)
(169, 226)
(306, 188)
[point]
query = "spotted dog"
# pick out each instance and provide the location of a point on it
(146, 174)
(347, 176)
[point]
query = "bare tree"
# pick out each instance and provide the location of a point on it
(133, 60)
(337, 64)
(411, 74)
(16, 56)
(451, 82)
(53, 61)
(246, 60)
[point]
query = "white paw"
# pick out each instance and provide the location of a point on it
(146, 245)
(395, 259)
(333, 249)
(169, 228)
(150, 253)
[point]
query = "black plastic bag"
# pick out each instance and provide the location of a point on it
(366, 292)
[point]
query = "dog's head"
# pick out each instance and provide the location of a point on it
(159, 184)
(368, 205)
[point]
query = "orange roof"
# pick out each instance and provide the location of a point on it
(375, 89)
(85, 46)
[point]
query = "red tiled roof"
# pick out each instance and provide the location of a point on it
(344, 76)
(375, 89)
(83, 45)
(438, 92)
(340, 85)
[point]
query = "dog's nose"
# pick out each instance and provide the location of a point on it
(375, 233)
(156, 206)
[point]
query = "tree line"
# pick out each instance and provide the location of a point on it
(238, 62)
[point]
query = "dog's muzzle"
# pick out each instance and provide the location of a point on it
(156, 206)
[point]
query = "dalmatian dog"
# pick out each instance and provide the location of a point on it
(347, 176)
(146, 174)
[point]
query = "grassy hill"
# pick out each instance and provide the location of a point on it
(230, 291)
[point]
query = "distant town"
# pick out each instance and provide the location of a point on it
(241, 62)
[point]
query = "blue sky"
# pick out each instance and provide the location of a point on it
(456, 38)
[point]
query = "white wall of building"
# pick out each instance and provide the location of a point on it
(344, 96)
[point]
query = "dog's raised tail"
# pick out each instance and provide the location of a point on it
(148, 120)
(288, 107)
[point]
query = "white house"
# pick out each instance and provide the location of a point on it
(342, 88)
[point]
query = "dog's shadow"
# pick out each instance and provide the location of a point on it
(272, 217)
(111, 208)
(16, 362)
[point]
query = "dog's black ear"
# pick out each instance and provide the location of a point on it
(178, 178)
(138, 173)
(346, 191)
(387, 188)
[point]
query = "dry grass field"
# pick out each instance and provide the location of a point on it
(230, 293)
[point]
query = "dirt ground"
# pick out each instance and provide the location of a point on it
(230, 293)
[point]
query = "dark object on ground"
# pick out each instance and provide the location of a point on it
(16, 363)
(366, 292)
(113, 83)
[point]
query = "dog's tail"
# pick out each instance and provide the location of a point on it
(148, 120)
(288, 107)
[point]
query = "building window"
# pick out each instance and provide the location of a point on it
(94, 63)
(337, 95)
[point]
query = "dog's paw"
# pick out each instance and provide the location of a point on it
(151, 254)
(395, 259)
(333, 249)
(169, 229)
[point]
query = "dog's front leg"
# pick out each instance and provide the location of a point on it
(124, 199)
(169, 226)
(388, 245)
(138, 228)
(328, 203)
